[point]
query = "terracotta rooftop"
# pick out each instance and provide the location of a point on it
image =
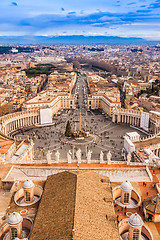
(95, 217)
(5, 144)
(55, 217)
(79, 201)
(152, 204)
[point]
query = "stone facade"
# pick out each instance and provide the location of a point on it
(102, 102)
(133, 117)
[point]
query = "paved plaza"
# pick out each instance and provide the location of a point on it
(109, 135)
(49, 138)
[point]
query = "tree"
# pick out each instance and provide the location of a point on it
(68, 132)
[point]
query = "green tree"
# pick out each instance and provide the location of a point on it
(68, 132)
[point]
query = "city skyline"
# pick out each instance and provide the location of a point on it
(90, 18)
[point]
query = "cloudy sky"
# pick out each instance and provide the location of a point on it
(125, 18)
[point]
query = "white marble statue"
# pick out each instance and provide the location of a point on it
(78, 155)
(57, 154)
(89, 155)
(109, 157)
(69, 156)
(129, 156)
(49, 156)
(122, 152)
(101, 157)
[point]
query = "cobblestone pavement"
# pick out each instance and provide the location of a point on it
(111, 134)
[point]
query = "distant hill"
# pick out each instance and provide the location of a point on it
(74, 39)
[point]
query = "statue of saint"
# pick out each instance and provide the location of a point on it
(101, 157)
(78, 155)
(57, 154)
(69, 158)
(109, 156)
(49, 156)
(89, 154)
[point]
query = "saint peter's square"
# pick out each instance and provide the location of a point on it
(76, 164)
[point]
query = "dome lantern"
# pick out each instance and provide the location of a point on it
(14, 219)
(15, 225)
(28, 184)
(126, 186)
(126, 192)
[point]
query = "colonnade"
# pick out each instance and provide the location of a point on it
(128, 117)
(157, 152)
(133, 118)
(155, 148)
(11, 122)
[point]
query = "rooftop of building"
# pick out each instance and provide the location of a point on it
(55, 216)
(5, 144)
(152, 204)
(79, 201)
(147, 142)
(45, 97)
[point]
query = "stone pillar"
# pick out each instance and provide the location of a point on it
(113, 118)
(118, 118)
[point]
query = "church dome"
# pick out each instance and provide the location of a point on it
(14, 219)
(126, 186)
(135, 220)
(28, 184)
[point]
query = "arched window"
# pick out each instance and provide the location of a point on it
(28, 199)
(14, 233)
(126, 198)
(135, 234)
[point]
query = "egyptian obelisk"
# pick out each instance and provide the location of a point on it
(80, 121)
